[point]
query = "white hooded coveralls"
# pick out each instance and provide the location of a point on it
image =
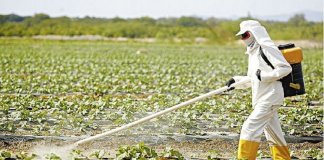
(267, 94)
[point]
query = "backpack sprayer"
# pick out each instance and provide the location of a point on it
(293, 83)
(145, 119)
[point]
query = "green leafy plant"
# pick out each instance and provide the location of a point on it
(314, 153)
(6, 155)
(98, 154)
(53, 156)
(139, 151)
(171, 153)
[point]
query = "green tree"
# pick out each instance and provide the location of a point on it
(297, 19)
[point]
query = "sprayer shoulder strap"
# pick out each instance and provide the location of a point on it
(264, 57)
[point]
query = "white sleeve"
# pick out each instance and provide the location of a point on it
(281, 66)
(243, 86)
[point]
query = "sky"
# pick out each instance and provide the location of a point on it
(159, 8)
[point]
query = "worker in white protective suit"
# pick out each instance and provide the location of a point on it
(267, 93)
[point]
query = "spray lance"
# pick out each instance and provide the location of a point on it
(145, 119)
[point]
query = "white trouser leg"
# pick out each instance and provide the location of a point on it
(274, 133)
(254, 126)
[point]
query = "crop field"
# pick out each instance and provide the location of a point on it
(61, 91)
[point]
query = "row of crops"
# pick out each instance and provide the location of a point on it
(83, 88)
(138, 151)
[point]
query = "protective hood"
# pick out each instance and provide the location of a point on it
(259, 32)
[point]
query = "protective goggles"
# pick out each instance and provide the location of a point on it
(245, 35)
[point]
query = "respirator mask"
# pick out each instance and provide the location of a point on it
(248, 39)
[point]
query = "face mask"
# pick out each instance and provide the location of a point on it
(248, 39)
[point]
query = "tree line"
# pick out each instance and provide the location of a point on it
(214, 29)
